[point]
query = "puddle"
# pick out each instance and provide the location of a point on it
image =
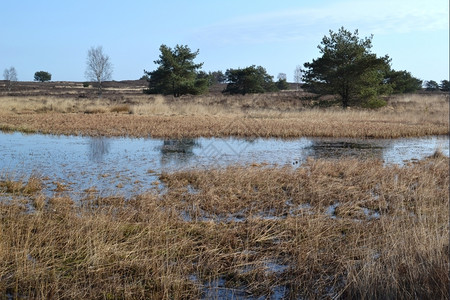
(130, 166)
(274, 267)
(197, 214)
(218, 289)
(331, 210)
(371, 214)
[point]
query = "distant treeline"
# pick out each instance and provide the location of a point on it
(346, 68)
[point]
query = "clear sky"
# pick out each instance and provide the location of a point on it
(55, 35)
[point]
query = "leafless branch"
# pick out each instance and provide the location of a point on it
(99, 67)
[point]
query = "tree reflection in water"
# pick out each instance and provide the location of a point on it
(177, 152)
(98, 148)
(336, 149)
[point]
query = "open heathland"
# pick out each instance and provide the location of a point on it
(339, 229)
(124, 111)
(336, 228)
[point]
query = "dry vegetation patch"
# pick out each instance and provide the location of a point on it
(348, 228)
(285, 115)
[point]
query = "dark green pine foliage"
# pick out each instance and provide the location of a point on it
(402, 82)
(249, 80)
(444, 86)
(42, 76)
(177, 73)
(431, 86)
(348, 69)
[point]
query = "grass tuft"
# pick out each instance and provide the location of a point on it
(125, 108)
(339, 229)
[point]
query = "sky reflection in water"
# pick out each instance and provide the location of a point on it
(131, 165)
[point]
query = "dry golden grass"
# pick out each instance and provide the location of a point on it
(344, 229)
(218, 116)
(124, 108)
(42, 104)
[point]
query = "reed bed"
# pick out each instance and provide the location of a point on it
(328, 229)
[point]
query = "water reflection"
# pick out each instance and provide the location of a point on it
(98, 148)
(178, 146)
(401, 150)
(176, 152)
(134, 164)
(332, 148)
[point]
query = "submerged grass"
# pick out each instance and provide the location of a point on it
(242, 116)
(339, 229)
(31, 186)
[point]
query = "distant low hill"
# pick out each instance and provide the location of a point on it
(73, 88)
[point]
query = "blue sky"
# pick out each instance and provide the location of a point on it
(55, 36)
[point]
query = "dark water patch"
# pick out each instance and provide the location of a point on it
(219, 288)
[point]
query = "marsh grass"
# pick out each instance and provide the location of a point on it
(242, 231)
(124, 108)
(217, 115)
(20, 187)
(356, 124)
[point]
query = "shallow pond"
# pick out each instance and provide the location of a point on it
(133, 165)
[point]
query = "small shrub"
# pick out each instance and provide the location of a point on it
(325, 103)
(85, 84)
(94, 111)
(121, 108)
(373, 103)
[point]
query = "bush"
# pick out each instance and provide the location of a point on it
(42, 76)
(177, 74)
(373, 103)
(85, 84)
(251, 80)
(402, 82)
(282, 84)
(121, 108)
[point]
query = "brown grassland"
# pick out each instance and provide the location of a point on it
(329, 229)
(260, 229)
(126, 111)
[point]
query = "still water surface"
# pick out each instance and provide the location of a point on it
(132, 165)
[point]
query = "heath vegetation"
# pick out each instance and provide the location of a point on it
(339, 229)
(283, 114)
(344, 228)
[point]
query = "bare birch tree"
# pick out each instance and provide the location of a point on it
(282, 76)
(10, 75)
(298, 76)
(99, 67)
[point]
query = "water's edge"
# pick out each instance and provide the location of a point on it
(133, 165)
